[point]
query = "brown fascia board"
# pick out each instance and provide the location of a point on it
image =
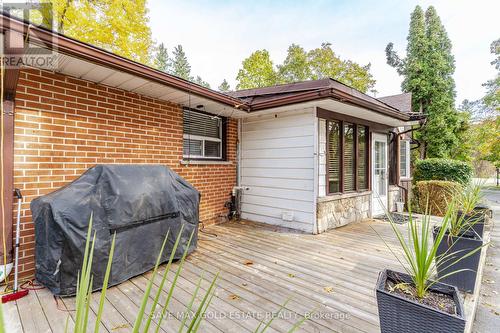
(72, 47)
(329, 93)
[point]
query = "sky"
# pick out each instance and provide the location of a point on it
(218, 34)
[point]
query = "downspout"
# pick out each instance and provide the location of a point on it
(8, 81)
(395, 136)
(238, 156)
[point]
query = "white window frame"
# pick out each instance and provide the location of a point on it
(404, 144)
(203, 139)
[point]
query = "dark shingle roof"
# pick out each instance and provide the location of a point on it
(402, 102)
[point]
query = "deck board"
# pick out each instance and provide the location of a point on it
(260, 268)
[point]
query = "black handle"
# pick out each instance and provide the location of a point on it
(17, 193)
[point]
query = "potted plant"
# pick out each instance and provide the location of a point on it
(461, 247)
(471, 209)
(414, 301)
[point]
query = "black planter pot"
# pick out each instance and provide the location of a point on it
(477, 219)
(400, 315)
(467, 242)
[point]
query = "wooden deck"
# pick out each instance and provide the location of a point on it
(332, 274)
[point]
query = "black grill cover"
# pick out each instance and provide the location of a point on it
(138, 202)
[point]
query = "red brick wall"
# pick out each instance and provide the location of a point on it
(64, 126)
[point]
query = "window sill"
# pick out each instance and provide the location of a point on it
(338, 196)
(203, 162)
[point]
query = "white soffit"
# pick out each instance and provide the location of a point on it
(103, 75)
(338, 107)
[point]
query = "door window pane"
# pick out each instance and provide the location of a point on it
(380, 168)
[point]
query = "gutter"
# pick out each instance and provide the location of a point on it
(334, 94)
(72, 47)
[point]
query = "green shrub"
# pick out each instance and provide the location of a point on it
(442, 169)
(436, 194)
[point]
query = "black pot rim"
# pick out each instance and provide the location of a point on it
(453, 291)
(467, 234)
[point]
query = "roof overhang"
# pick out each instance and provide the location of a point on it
(333, 95)
(338, 107)
(84, 61)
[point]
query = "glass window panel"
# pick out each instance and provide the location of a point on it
(403, 158)
(212, 149)
(380, 168)
(192, 147)
(362, 158)
(202, 135)
(349, 158)
(333, 134)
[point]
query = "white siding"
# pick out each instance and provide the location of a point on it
(277, 167)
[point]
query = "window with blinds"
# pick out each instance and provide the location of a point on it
(362, 157)
(333, 134)
(202, 135)
(347, 157)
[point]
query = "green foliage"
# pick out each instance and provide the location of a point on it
(481, 140)
(180, 64)
(442, 169)
(469, 198)
(258, 70)
(435, 195)
(119, 26)
(224, 86)
(201, 82)
(418, 255)
(418, 252)
(492, 98)
(325, 63)
(428, 74)
(484, 137)
(161, 60)
(295, 67)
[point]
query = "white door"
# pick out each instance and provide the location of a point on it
(379, 173)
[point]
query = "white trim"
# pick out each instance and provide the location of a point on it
(201, 162)
(375, 197)
(316, 172)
